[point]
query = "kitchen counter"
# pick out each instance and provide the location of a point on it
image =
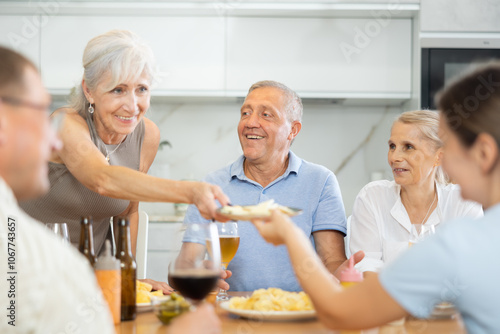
(166, 219)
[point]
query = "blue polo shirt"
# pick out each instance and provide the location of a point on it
(310, 187)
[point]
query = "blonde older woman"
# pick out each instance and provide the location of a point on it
(109, 145)
(384, 211)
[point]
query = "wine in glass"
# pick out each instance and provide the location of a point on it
(196, 269)
(229, 240)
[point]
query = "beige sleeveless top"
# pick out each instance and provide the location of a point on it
(68, 200)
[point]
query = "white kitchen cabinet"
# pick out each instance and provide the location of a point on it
(460, 16)
(164, 243)
(22, 33)
(321, 57)
(207, 50)
(248, 8)
(189, 50)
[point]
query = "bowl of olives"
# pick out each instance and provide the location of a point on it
(168, 307)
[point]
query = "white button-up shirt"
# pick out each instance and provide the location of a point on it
(52, 288)
(380, 225)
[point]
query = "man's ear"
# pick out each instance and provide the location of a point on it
(485, 152)
(296, 127)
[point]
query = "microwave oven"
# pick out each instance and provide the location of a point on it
(440, 65)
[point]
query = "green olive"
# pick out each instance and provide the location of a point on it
(172, 307)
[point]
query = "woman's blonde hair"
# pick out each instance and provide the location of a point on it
(427, 121)
(120, 54)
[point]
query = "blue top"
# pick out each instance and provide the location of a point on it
(304, 185)
(460, 264)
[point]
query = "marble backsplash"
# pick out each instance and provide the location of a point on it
(203, 138)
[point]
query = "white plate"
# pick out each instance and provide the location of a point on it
(144, 307)
(443, 311)
(249, 216)
(270, 315)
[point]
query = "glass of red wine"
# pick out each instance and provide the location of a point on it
(195, 271)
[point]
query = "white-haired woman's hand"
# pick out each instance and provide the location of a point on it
(204, 196)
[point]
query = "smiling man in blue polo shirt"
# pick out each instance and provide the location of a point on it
(270, 120)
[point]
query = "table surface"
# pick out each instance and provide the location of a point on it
(146, 322)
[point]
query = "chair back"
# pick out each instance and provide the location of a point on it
(141, 250)
(347, 237)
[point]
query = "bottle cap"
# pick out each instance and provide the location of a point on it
(351, 274)
(122, 221)
(107, 261)
(85, 220)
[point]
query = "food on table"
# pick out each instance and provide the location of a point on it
(273, 299)
(144, 292)
(260, 210)
(168, 307)
(143, 286)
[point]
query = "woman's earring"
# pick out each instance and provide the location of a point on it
(91, 109)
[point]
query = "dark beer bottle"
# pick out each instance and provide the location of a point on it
(128, 270)
(86, 246)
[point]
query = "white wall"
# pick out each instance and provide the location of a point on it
(204, 138)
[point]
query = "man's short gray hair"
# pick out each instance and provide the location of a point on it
(293, 105)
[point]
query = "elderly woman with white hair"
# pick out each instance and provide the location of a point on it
(384, 211)
(109, 146)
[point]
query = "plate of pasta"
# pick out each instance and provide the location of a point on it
(261, 210)
(272, 304)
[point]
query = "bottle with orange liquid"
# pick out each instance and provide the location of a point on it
(107, 271)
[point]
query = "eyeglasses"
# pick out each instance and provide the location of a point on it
(55, 121)
(13, 101)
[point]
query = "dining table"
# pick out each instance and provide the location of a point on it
(147, 322)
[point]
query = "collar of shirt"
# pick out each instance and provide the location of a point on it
(399, 212)
(293, 167)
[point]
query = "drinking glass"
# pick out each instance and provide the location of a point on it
(196, 269)
(418, 232)
(61, 229)
(229, 240)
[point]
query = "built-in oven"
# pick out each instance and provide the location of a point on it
(447, 57)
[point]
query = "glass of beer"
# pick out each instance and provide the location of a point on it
(229, 241)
